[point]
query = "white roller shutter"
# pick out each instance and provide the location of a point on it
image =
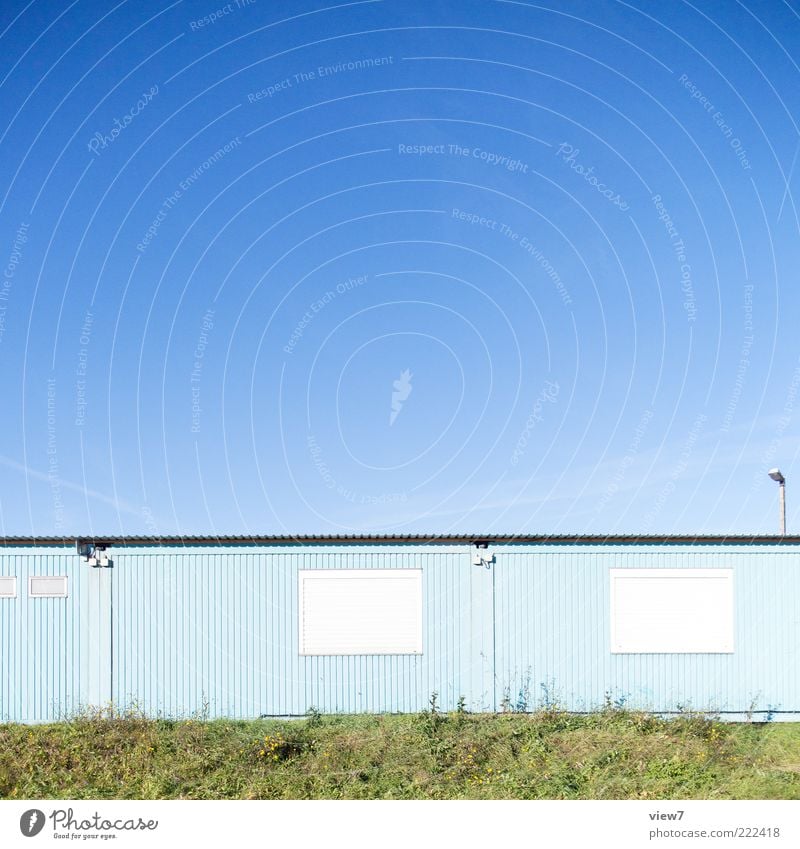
(671, 610)
(360, 611)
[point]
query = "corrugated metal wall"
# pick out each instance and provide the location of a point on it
(553, 631)
(41, 639)
(217, 632)
(213, 631)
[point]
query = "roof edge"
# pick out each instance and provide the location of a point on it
(101, 541)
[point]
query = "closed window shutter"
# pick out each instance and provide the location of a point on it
(360, 611)
(672, 611)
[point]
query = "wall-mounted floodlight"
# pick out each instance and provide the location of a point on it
(85, 549)
(777, 476)
(93, 555)
(482, 556)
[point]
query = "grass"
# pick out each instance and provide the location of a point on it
(613, 754)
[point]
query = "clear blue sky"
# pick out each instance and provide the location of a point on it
(398, 266)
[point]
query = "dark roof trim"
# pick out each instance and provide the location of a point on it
(394, 539)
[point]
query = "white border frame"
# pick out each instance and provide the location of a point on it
(32, 594)
(347, 574)
(13, 579)
(672, 572)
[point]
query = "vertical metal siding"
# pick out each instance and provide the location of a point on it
(553, 630)
(41, 639)
(214, 631)
(534, 628)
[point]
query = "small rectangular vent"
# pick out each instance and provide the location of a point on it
(47, 586)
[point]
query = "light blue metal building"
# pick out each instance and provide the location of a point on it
(271, 626)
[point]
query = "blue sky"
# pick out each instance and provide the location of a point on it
(398, 266)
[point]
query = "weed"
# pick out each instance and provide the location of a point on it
(461, 712)
(612, 703)
(549, 699)
(313, 717)
(523, 695)
(542, 754)
(520, 703)
(277, 747)
(432, 719)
